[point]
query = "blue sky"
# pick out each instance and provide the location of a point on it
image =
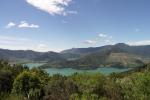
(55, 25)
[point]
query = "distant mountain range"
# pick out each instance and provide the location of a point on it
(119, 55)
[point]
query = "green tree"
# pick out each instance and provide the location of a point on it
(6, 81)
(27, 83)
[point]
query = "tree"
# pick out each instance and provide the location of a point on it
(60, 88)
(6, 81)
(27, 83)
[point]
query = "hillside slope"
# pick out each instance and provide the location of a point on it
(119, 55)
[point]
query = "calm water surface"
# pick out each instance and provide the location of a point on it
(32, 65)
(70, 71)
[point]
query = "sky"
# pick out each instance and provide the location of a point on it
(55, 25)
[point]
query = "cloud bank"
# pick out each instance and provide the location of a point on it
(53, 7)
(10, 25)
(102, 35)
(137, 43)
(90, 42)
(102, 38)
(22, 24)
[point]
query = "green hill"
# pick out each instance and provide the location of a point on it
(119, 55)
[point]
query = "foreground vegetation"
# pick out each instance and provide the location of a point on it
(20, 83)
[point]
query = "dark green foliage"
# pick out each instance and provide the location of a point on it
(20, 83)
(7, 75)
(90, 83)
(6, 80)
(60, 87)
(27, 84)
(11, 97)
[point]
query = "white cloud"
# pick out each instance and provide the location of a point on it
(102, 35)
(53, 7)
(136, 43)
(102, 39)
(90, 42)
(24, 24)
(42, 47)
(107, 41)
(10, 25)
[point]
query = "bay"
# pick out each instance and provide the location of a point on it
(69, 71)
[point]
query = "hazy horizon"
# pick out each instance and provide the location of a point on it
(68, 48)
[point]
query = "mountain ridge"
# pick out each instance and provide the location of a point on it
(120, 54)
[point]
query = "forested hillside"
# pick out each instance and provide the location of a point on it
(119, 55)
(20, 83)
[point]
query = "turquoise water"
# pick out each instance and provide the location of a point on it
(32, 65)
(70, 71)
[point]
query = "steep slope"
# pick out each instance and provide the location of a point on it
(119, 55)
(51, 57)
(18, 55)
(85, 51)
(124, 60)
(120, 47)
(28, 55)
(136, 50)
